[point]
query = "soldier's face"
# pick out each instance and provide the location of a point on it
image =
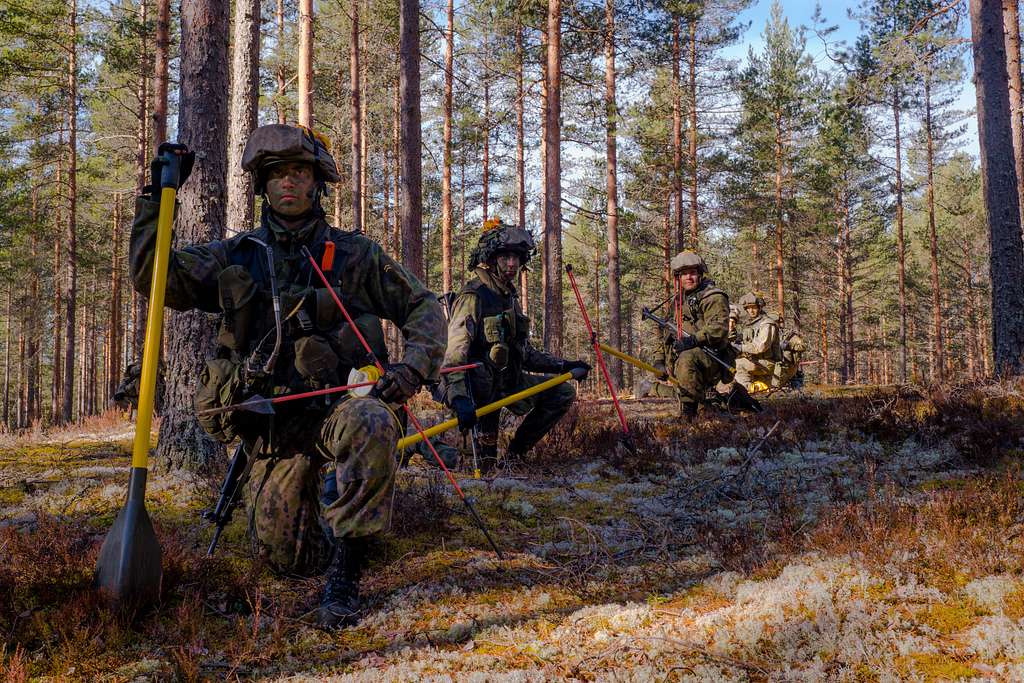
(753, 311)
(507, 264)
(290, 188)
(690, 278)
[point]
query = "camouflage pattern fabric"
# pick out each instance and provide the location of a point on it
(542, 411)
(358, 439)
(760, 349)
(705, 314)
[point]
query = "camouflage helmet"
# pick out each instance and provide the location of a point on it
(734, 311)
(279, 144)
(752, 299)
(496, 237)
(688, 259)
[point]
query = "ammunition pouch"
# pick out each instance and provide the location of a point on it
(220, 385)
(316, 361)
(237, 292)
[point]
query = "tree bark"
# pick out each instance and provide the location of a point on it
(937, 356)
(692, 133)
(901, 249)
(612, 213)
(282, 84)
(553, 183)
(1011, 29)
(446, 178)
(780, 297)
(677, 134)
(114, 353)
(524, 283)
(160, 69)
(306, 63)
(411, 153)
(72, 227)
(7, 357)
(356, 122)
(1000, 183)
(201, 121)
(245, 89)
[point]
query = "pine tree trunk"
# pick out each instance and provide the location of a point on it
(692, 92)
(114, 354)
(57, 384)
(780, 298)
(356, 122)
(1000, 184)
(553, 183)
(282, 84)
(411, 153)
(901, 249)
(245, 92)
(365, 194)
(677, 134)
(202, 119)
(396, 159)
(485, 180)
(7, 357)
(850, 347)
(611, 156)
(666, 246)
(938, 356)
(524, 282)
(306, 63)
(446, 178)
(72, 234)
(161, 71)
(1011, 28)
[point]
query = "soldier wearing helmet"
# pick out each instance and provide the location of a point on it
(487, 325)
(759, 346)
(702, 313)
(312, 348)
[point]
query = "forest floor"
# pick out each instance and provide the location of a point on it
(863, 535)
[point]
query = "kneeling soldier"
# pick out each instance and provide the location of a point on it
(311, 349)
(487, 325)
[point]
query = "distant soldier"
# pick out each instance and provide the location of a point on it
(486, 325)
(759, 346)
(703, 310)
(788, 372)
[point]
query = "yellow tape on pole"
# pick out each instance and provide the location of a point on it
(634, 361)
(486, 410)
(154, 328)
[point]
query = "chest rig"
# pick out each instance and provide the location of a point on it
(502, 332)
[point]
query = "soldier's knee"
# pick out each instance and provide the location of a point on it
(361, 435)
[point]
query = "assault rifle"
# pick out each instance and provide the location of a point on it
(230, 491)
(646, 314)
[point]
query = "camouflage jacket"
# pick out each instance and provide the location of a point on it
(705, 314)
(486, 315)
(760, 339)
(367, 280)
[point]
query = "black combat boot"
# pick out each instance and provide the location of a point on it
(340, 606)
(688, 410)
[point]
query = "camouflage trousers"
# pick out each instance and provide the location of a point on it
(542, 411)
(359, 436)
(695, 372)
(750, 370)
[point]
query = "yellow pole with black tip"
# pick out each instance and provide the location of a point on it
(635, 361)
(129, 569)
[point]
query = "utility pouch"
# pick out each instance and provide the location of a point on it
(316, 361)
(220, 385)
(499, 355)
(494, 328)
(237, 292)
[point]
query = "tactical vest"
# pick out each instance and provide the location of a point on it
(775, 352)
(502, 329)
(693, 312)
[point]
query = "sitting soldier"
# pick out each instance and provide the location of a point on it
(759, 346)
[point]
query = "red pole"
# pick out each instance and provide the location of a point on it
(412, 418)
(597, 349)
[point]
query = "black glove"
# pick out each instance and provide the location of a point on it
(570, 365)
(465, 411)
(685, 344)
(398, 385)
(187, 160)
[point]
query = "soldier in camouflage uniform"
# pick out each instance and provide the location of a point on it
(358, 435)
(487, 325)
(759, 346)
(704, 310)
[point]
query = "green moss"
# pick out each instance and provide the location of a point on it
(936, 666)
(11, 496)
(949, 618)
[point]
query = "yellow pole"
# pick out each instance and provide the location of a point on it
(154, 328)
(634, 361)
(486, 410)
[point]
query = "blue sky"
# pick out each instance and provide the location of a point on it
(836, 13)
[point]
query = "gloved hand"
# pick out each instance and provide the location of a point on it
(465, 411)
(187, 159)
(398, 385)
(570, 365)
(661, 373)
(685, 344)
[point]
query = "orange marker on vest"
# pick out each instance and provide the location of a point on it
(327, 262)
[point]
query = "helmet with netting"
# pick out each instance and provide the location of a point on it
(688, 259)
(278, 143)
(752, 299)
(497, 237)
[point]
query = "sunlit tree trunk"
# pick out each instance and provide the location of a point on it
(677, 134)
(356, 122)
(1011, 28)
(937, 358)
(612, 212)
(244, 108)
(446, 178)
(409, 85)
(305, 93)
(72, 226)
(692, 106)
(553, 183)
